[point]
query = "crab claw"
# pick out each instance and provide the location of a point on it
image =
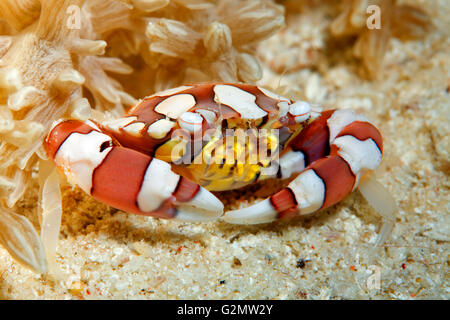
(261, 212)
(322, 184)
(202, 206)
(124, 178)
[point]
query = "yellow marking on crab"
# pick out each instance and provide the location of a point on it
(233, 161)
(171, 151)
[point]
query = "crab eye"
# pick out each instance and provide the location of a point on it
(300, 110)
(209, 116)
(190, 121)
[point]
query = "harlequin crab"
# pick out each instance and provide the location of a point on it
(169, 152)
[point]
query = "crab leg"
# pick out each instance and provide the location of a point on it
(124, 178)
(338, 148)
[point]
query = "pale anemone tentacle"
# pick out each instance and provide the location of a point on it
(19, 237)
(383, 203)
(50, 210)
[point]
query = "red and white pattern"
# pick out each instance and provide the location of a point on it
(114, 161)
(124, 178)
